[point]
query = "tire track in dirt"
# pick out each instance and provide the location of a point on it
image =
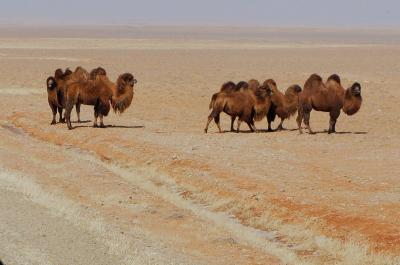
(178, 226)
(174, 191)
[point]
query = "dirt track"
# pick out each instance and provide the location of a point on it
(153, 189)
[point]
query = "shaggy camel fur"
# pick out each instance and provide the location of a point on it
(327, 97)
(283, 105)
(56, 93)
(100, 93)
(246, 105)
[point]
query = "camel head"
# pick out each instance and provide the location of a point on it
(263, 101)
(272, 86)
(123, 95)
(263, 92)
(293, 90)
(51, 83)
(253, 84)
(352, 99)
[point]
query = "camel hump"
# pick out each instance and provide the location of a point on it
(58, 74)
(315, 77)
(241, 84)
(335, 78)
(271, 84)
(228, 86)
(97, 71)
(67, 72)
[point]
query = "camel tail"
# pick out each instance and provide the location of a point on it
(212, 102)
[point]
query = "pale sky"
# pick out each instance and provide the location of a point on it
(308, 13)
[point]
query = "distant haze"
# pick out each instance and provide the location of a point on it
(307, 13)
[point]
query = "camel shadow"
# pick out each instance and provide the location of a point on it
(345, 132)
(109, 127)
(87, 121)
(126, 127)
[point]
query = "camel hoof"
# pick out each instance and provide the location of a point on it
(53, 123)
(102, 126)
(95, 125)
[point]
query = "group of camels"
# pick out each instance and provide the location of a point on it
(252, 101)
(67, 89)
(248, 101)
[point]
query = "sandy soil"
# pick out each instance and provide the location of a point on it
(154, 189)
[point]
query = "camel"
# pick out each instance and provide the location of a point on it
(100, 93)
(283, 105)
(327, 97)
(56, 88)
(56, 92)
(247, 105)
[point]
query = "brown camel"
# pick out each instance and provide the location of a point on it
(56, 93)
(327, 97)
(100, 93)
(227, 88)
(247, 106)
(283, 105)
(56, 88)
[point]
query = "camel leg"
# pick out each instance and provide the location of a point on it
(217, 121)
(67, 114)
(299, 120)
(238, 125)
(60, 111)
(208, 123)
(212, 116)
(280, 127)
(95, 120)
(101, 121)
(78, 111)
(332, 122)
(269, 126)
(54, 111)
(96, 115)
(252, 126)
(233, 118)
(307, 122)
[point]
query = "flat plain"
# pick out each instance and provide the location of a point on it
(152, 188)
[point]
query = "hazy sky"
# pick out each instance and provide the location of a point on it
(315, 13)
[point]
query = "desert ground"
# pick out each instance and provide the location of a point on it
(152, 188)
